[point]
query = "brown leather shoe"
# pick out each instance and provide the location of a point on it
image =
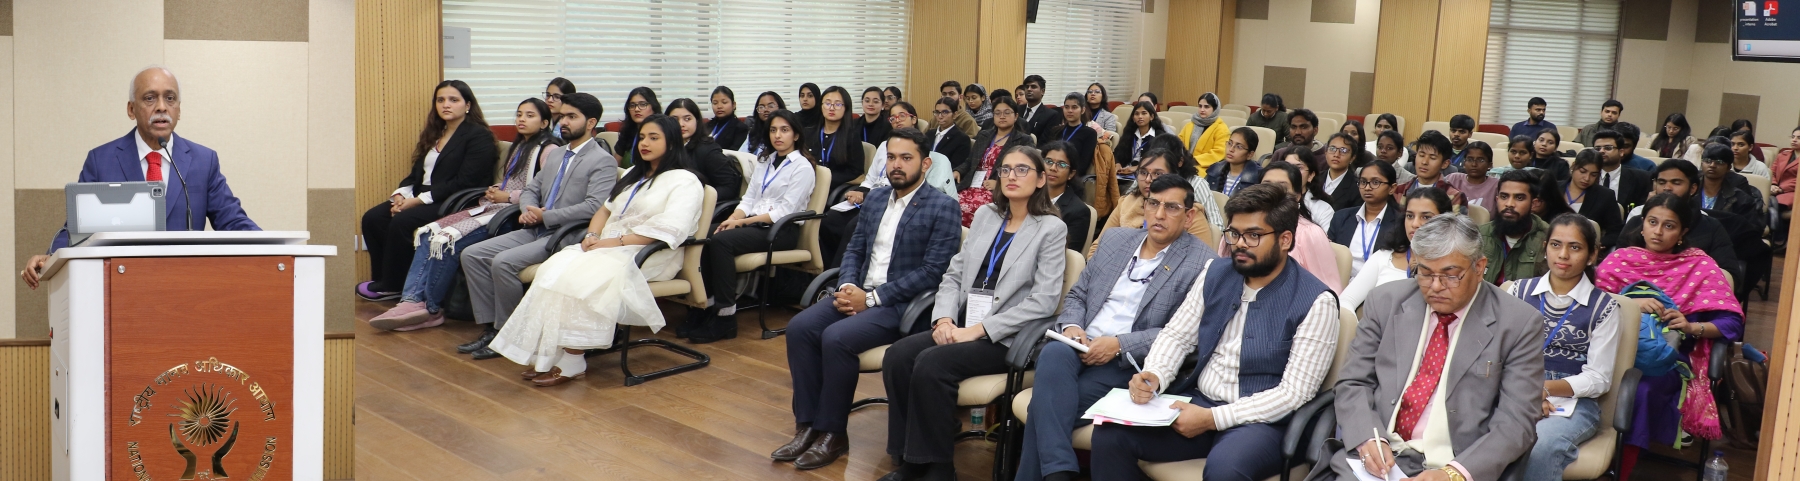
(825, 451)
(804, 436)
(555, 377)
(530, 374)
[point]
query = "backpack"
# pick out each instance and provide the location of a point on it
(1656, 354)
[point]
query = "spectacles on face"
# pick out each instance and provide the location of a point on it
(638, 105)
(1003, 113)
(1606, 148)
(902, 115)
(1153, 206)
(1250, 239)
(1431, 280)
(1057, 164)
(1149, 175)
(1235, 145)
(1371, 184)
(940, 112)
(551, 96)
(834, 105)
(1337, 150)
(1011, 171)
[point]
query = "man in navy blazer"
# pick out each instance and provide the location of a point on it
(155, 104)
(902, 244)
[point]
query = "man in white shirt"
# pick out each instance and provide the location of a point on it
(1265, 335)
(1134, 283)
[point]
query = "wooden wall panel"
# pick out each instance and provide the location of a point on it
(398, 60)
(943, 34)
(1461, 55)
(340, 407)
(1202, 37)
(1001, 64)
(1404, 47)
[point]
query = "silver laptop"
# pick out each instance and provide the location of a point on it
(114, 207)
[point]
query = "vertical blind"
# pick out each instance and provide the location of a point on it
(679, 48)
(1075, 43)
(1562, 50)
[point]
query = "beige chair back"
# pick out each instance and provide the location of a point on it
(1074, 263)
(1478, 214)
(1342, 253)
(1093, 225)
(1338, 116)
(1760, 183)
(1346, 335)
(1440, 127)
(1400, 122)
(1566, 145)
(1265, 140)
(1185, 109)
(611, 138)
(868, 162)
(1496, 141)
(690, 255)
(1595, 455)
(1328, 126)
(501, 148)
(809, 232)
(1174, 120)
(746, 164)
(1646, 153)
(1236, 108)
(1123, 112)
(1241, 116)
(922, 124)
(1768, 153)
(1569, 133)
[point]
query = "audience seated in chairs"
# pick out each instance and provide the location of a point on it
(756, 142)
(1583, 324)
(1250, 375)
(895, 256)
(1679, 177)
(584, 175)
(1137, 278)
(1727, 196)
(1130, 210)
(1630, 186)
(873, 122)
(1203, 135)
(1073, 131)
(1360, 227)
(455, 152)
(975, 180)
(947, 136)
(1341, 159)
(709, 159)
(836, 227)
(1393, 262)
(1513, 243)
(1699, 306)
(987, 304)
(438, 255)
(781, 184)
(1431, 159)
(1786, 169)
(837, 141)
(1274, 115)
(1237, 170)
(1410, 399)
(1317, 204)
(1545, 157)
(1476, 185)
(581, 294)
(1066, 196)
(1143, 125)
(1312, 248)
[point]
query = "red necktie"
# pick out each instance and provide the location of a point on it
(1425, 383)
(154, 173)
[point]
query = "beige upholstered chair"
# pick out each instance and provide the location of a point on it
(804, 257)
(1440, 127)
(1342, 254)
(1496, 141)
(1185, 109)
(1337, 116)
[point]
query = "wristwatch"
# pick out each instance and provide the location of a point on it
(590, 234)
(1453, 473)
(869, 299)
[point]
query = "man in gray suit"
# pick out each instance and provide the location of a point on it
(1444, 380)
(1134, 283)
(582, 181)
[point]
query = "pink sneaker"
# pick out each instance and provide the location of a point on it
(431, 320)
(401, 309)
(405, 314)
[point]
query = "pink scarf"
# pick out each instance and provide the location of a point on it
(1696, 284)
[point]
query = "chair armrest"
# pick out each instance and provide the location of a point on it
(837, 194)
(788, 219)
(460, 200)
(1326, 428)
(1026, 345)
(507, 220)
(652, 248)
(723, 211)
(1302, 419)
(561, 238)
(1721, 355)
(1625, 400)
(825, 280)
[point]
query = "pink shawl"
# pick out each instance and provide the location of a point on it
(1696, 284)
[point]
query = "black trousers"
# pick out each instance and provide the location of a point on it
(922, 378)
(390, 239)
(834, 235)
(718, 257)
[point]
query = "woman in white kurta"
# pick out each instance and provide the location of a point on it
(583, 292)
(1421, 205)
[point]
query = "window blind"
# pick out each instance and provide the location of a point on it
(679, 48)
(1075, 43)
(1562, 50)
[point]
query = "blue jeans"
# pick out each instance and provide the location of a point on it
(1559, 440)
(429, 280)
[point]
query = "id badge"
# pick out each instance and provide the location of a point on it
(980, 176)
(981, 303)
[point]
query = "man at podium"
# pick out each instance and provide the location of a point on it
(151, 152)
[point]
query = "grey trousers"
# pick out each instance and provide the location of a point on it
(492, 269)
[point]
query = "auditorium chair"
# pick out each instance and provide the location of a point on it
(1440, 127)
(1763, 276)
(1568, 147)
(1496, 141)
(835, 193)
(1569, 133)
(1241, 116)
(1341, 254)
(1236, 108)
(804, 257)
(1265, 141)
(1599, 456)
(1497, 129)
(611, 138)
(1328, 126)
(1646, 153)
(1000, 390)
(1337, 116)
(1093, 225)
(1477, 214)
(870, 361)
(1183, 109)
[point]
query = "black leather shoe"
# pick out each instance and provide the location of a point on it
(487, 335)
(716, 328)
(906, 472)
(484, 353)
(804, 436)
(825, 451)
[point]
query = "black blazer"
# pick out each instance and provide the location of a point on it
(954, 146)
(1556, 166)
(978, 150)
(1082, 159)
(1042, 123)
(717, 169)
(846, 161)
(729, 132)
(467, 162)
(1634, 186)
(1075, 214)
(1123, 154)
(1599, 204)
(1348, 193)
(1343, 223)
(874, 132)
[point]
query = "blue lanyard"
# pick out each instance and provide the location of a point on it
(1559, 322)
(998, 252)
(1369, 237)
(767, 174)
(826, 146)
(1707, 201)
(634, 191)
(1132, 267)
(1071, 133)
(1232, 183)
(506, 177)
(1409, 271)
(718, 128)
(1577, 199)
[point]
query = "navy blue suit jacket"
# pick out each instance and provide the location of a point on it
(929, 234)
(117, 161)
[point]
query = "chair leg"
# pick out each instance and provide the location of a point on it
(624, 349)
(763, 296)
(868, 401)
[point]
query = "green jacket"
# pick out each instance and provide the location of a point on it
(1522, 262)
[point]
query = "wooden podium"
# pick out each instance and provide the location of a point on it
(188, 356)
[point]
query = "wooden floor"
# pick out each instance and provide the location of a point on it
(426, 413)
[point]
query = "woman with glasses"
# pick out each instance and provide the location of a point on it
(1546, 158)
(975, 179)
(1318, 207)
(873, 121)
(1582, 335)
(1058, 171)
(837, 141)
(1312, 249)
(756, 142)
(1705, 316)
(781, 183)
(1130, 211)
(1393, 259)
(810, 114)
(553, 93)
(1360, 227)
(976, 99)
(1143, 125)
(706, 157)
(947, 136)
(1072, 131)
(725, 128)
(1342, 155)
(1478, 187)
(890, 96)
(1100, 116)
(1587, 197)
(1238, 169)
(640, 104)
(1204, 134)
(1008, 275)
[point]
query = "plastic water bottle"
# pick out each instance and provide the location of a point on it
(1715, 468)
(976, 416)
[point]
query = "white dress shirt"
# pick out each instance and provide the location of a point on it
(1314, 347)
(431, 158)
(1119, 312)
(1595, 377)
(881, 251)
(1362, 243)
(1331, 185)
(778, 188)
(144, 150)
(1611, 177)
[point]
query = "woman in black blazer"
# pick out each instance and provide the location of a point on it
(1082, 140)
(442, 165)
(874, 119)
(1058, 172)
(945, 137)
(640, 104)
(837, 141)
(708, 159)
(726, 128)
(1584, 193)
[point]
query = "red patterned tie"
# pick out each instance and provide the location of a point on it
(154, 173)
(1425, 383)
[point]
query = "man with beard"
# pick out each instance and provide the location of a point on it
(1036, 118)
(897, 253)
(1534, 121)
(1265, 333)
(1609, 120)
(1303, 126)
(1630, 186)
(1513, 242)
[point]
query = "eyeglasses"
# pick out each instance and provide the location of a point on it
(1149, 175)
(1010, 171)
(1372, 184)
(837, 105)
(1337, 150)
(1606, 148)
(1251, 239)
(902, 114)
(1716, 161)
(1057, 165)
(940, 112)
(638, 105)
(1236, 145)
(551, 96)
(1429, 280)
(1153, 206)
(1004, 113)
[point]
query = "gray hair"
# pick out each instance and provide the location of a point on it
(131, 85)
(1447, 234)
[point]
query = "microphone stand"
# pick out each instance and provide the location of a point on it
(186, 206)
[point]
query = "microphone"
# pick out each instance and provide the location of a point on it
(186, 206)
